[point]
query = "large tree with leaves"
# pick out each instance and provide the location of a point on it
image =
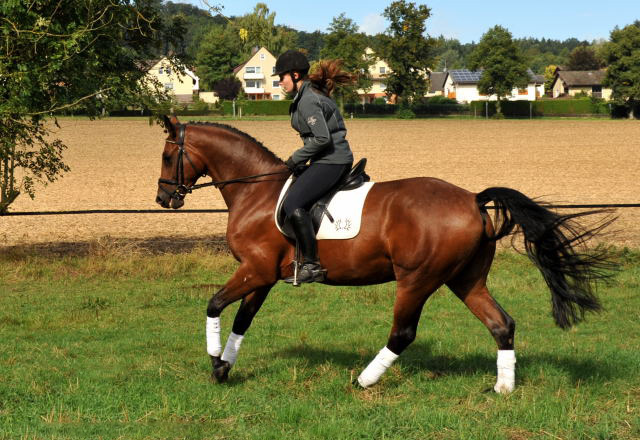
(62, 55)
(623, 73)
(220, 51)
(407, 49)
(503, 67)
(583, 58)
(346, 43)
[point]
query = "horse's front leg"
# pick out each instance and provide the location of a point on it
(245, 283)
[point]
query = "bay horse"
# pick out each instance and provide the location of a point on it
(421, 232)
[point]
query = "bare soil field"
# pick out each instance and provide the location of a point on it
(115, 164)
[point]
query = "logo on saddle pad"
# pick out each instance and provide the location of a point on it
(342, 217)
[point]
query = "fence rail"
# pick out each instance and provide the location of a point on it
(220, 211)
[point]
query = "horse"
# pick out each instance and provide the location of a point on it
(420, 232)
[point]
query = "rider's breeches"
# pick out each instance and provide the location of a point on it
(314, 183)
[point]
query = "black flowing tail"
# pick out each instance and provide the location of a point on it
(555, 244)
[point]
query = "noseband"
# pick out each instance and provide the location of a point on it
(181, 188)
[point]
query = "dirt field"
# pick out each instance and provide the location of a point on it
(115, 165)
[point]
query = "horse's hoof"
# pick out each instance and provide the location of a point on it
(220, 371)
(357, 386)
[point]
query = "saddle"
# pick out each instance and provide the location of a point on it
(352, 180)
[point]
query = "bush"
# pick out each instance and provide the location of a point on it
(405, 113)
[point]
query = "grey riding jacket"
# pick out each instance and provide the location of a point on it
(317, 118)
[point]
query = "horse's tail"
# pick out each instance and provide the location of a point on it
(552, 242)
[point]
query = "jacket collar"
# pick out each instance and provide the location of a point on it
(301, 90)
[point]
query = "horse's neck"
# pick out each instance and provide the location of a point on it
(232, 156)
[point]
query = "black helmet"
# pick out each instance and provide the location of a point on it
(291, 60)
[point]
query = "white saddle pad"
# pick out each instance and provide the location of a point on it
(345, 208)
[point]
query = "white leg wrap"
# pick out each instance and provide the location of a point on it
(214, 347)
(233, 346)
(506, 372)
(377, 367)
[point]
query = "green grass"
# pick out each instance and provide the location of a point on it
(111, 346)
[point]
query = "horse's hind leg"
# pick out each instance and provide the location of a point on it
(406, 315)
(471, 288)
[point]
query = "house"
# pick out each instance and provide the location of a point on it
(436, 83)
(182, 86)
(573, 82)
(255, 76)
(462, 85)
(378, 72)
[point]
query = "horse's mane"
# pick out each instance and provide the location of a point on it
(239, 132)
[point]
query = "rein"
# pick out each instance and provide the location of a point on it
(181, 188)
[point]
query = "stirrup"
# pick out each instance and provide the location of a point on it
(307, 273)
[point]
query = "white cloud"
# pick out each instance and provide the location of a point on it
(373, 24)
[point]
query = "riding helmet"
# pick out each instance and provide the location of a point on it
(291, 60)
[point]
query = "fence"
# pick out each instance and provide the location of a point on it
(221, 211)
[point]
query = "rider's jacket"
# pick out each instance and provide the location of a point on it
(317, 118)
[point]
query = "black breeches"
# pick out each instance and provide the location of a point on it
(314, 183)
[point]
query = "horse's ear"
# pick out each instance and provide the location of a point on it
(170, 125)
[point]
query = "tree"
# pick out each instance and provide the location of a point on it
(344, 42)
(408, 52)
(502, 65)
(69, 54)
(623, 72)
(228, 88)
(220, 52)
(583, 58)
(261, 31)
(549, 76)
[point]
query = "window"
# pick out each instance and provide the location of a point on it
(168, 86)
(523, 91)
(383, 86)
(275, 83)
(252, 83)
(276, 97)
(262, 56)
(383, 69)
(273, 70)
(160, 70)
(252, 69)
(167, 70)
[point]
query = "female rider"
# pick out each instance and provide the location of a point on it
(315, 116)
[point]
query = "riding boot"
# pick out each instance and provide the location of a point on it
(311, 270)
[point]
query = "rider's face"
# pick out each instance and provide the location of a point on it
(286, 82)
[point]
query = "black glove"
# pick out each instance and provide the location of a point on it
(296, 169)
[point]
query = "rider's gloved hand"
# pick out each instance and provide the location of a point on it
(296, 169)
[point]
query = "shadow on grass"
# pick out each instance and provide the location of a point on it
(419, 358)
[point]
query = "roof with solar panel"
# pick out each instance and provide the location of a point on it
(464, 76)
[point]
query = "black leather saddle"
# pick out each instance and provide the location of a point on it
(352, 180)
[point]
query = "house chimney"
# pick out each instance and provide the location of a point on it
(254, 50)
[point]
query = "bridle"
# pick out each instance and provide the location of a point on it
(181, 188)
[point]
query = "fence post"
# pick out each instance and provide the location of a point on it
(530, 110)
(486, 108)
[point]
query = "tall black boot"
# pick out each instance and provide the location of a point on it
(311, 270)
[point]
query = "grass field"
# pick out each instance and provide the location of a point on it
(111, 345)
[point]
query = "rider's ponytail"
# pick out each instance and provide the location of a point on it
(328, 74)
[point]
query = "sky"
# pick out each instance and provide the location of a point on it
(465, 20)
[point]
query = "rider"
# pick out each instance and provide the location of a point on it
(315, 116)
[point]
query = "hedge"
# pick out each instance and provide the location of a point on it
(423, 109)
(560, 107)
(263, 107)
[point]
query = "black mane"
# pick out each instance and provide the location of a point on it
(240, 132)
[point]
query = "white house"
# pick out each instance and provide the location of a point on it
(462, 85)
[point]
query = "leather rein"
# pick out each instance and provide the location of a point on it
(181, 188)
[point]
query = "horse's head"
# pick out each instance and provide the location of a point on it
(181, 166)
